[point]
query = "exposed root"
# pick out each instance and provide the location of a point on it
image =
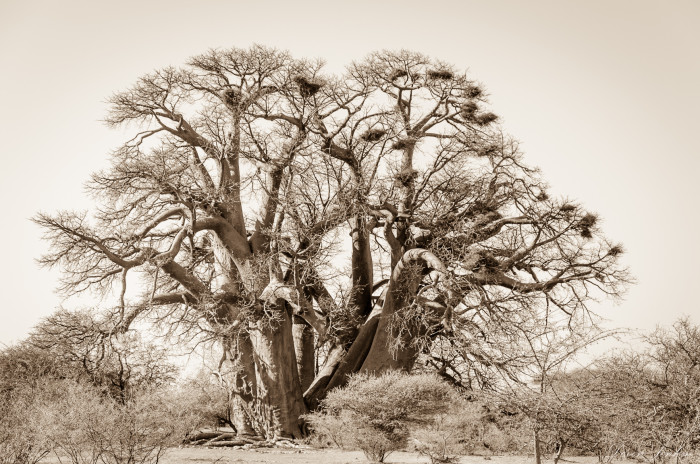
(225, 439)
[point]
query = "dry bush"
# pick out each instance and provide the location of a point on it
(331, 430)
(376, 414)
(499, 440)
(48, 402)
(85, 426)
(139, 431)
(207, 400)
(450, 434)
(74, 416)
(376, 443)
(21, 438)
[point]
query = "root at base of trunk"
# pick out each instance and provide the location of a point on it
(222, 438)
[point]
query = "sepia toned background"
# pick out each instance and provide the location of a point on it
(603, 95)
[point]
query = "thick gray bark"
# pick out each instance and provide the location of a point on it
(245, 387)
(279, 403)
(305, 353)
(357, 353)
(318, 388)
(403, 286)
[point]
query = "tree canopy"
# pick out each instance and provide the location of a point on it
(319, 225)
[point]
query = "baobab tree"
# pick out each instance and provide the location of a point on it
(317, 225)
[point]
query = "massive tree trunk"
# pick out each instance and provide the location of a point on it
(392, 348)
(305, 351)
(320, 384)
(279, 403)
(378, 346)
(244, 387)
(353, 359)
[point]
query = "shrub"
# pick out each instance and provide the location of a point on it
(331, 429)
(499, 439)
(52, 401)
(206, 400)
(21, 437)
(376, 414)
(73, 416)
(85, 426)
(450, 434)
(140, 430)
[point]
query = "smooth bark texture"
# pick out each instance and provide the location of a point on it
(245, 387)
(403, 287)
(356, 355)
(280, 400)
(320, 384)
(305, 351)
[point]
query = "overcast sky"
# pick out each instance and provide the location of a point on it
(603, 95)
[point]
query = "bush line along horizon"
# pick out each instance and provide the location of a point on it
(229, 210)
(640, 405)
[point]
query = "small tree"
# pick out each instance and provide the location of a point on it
(204, 397)
(376, 414)
(675, 353)
(140, 431)
(562, 418)
(552, 407)
(86, 348)
(50, 402)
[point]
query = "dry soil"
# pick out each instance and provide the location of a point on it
(316, 456)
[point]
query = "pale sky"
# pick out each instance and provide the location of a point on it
(603, 95)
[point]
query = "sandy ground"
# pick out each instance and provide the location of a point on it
(316, 456)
